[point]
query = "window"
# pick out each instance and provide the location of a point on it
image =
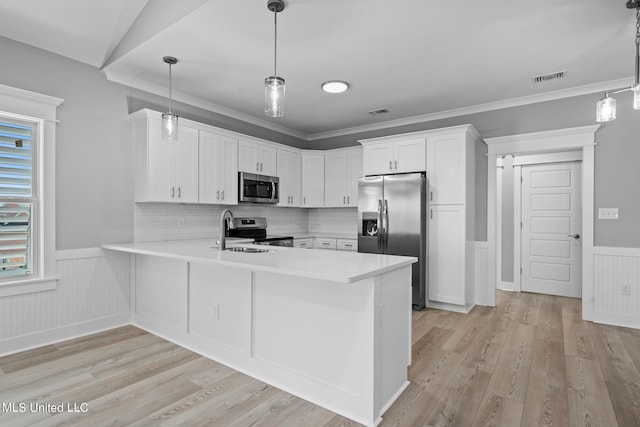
(17, 197)
(27, 191)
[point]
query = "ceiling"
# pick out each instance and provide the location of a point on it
(418, 59)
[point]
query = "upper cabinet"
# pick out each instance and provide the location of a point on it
(257, 157)
(312, 180)
(389, 155)
(290, 174)
(446, 168)
(342, 168)
(164, 171)
(218, 178)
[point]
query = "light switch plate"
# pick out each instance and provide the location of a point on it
(607, 213)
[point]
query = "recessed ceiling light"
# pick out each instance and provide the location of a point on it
(335, 86)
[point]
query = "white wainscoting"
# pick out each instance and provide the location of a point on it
(613, 269)
(92, 295)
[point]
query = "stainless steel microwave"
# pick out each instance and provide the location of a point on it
(254, 188)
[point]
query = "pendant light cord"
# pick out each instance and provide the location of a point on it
(637, 44)
(275, 42)
(170, 88)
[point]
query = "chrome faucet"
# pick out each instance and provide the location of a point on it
(223, 229)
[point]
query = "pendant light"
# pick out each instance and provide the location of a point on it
(274, 85)
(170, 120)
(606, 107)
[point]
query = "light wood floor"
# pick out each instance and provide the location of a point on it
(529, 361)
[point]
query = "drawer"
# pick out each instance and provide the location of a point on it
(323, 243)
(347, 244)
(305, 243)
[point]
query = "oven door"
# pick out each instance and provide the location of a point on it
(254, 188)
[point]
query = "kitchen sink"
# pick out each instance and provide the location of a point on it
(248, 250)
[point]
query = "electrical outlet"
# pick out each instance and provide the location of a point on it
(626, 290)
(608, 213)
(181, 222)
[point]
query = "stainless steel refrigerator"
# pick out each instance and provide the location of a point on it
(392, 221)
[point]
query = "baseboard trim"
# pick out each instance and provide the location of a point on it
(56, 335)
(508, 286)
(623, 320)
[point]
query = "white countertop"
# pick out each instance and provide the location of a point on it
(337, 266)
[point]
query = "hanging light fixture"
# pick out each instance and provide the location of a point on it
(606, 107)
(170, 120)
(274, 85)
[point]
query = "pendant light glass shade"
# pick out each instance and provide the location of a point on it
(606, 109)
(274, 96)
(170, 120)
(169, 127)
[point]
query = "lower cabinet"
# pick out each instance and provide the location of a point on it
(220, 305)
(326, 243)
(304, 243)
(447, 260)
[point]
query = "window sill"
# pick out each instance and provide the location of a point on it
(27, 286)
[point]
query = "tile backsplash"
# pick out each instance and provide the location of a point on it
(164, 221)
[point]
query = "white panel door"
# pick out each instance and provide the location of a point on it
(409, 155)
(312, 180)
(447, 254)
(551, 227)
(378, 159)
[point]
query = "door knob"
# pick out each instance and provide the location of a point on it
(575, 236)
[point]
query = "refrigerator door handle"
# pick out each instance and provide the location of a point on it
(385, 227)
(379, 224)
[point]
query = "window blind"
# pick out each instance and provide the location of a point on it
(16, 202)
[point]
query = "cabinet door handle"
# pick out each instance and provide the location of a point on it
(304, 200)
(173, 192)
(390, 167)
(179, 192)
(395, 162)
(222, 194)
(218, 195)
(430, 213)
(347, 245)
(431, 196)
(348, 200)
(344, 200)
(258, 166)
(261, 166)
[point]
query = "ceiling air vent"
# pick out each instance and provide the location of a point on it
(547, 77)
(377, 111)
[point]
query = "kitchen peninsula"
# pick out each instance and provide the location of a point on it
(330, 327)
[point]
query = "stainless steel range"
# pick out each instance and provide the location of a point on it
(256, 228)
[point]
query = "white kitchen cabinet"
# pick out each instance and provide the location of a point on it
(347, 244)
(164, 171)
(290, 174)
(257, 157)
(343, 167)
(218, 169)
(447, 168)
(312, 180)
(447, 254)
(324, 243)
(392, 155)
(303, 243)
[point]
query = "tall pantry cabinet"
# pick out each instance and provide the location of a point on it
(451, 216)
